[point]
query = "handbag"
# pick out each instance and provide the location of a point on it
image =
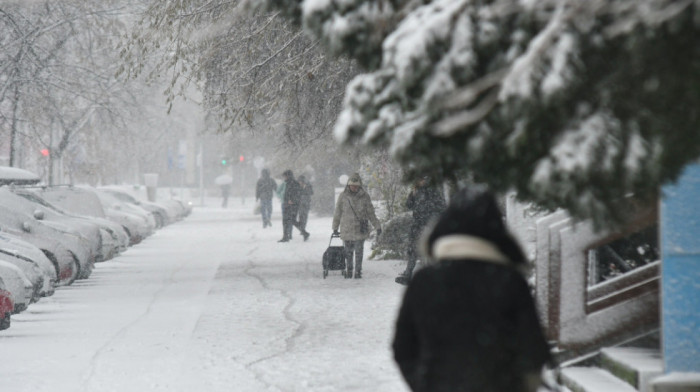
(364, 223)
(364, 226)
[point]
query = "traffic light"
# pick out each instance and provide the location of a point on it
(224, 161)
(241, 158)
(44, 152)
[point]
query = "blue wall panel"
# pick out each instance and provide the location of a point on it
(680, 282)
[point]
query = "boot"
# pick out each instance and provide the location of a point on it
(306, 235)
(404, 278)
(348, 274)
(284, 239)
(358, 275)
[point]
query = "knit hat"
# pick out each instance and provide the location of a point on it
(474, 212)
(355, 180)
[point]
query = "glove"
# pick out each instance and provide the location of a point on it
(379, 232)
(336, 232)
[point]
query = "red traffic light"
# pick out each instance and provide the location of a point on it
(241, 158)
(45, 152)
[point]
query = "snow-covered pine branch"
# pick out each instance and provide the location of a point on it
(428, 91)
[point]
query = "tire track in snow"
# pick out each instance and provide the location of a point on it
(290, 341)
(122, 331)
(166, 283)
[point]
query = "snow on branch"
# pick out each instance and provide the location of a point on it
(572, 103)
(518, 82)
(464, 98)
(466, 118)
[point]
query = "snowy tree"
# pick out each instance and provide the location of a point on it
(259, 75)
(573, 104)
(267, 87)
(57, 89)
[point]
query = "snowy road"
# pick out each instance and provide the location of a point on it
(212, 303)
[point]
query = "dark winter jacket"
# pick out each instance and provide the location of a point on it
(292, 192)
(266, 187)
(425, 202)
(468, 324)
(306, 192)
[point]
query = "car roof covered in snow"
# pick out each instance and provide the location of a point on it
(14, 175)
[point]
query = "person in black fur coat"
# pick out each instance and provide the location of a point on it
(468, 321)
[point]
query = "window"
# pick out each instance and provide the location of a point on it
(623, 255)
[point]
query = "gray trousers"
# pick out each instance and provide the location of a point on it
(414, 234)
(356, 248)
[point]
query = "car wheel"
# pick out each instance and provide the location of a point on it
(132, 239)
(54, 261)
(77, 269)
(5, 322)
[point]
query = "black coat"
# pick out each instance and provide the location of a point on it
(468, 325)
(265, 188)
(305, 199)
(292, 193)
(425, 202)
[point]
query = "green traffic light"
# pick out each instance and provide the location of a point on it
(223, 162)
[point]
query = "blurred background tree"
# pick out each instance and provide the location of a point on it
(574, 105)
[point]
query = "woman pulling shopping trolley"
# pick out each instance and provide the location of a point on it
(353, 214)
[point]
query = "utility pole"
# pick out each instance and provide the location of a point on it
(200, 164)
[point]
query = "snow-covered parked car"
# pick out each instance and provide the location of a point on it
(111, 201)
(115, 207)
(114, 238)
(17, 176)
(87, 232)
(30, 270)
(161, 214)
(13, 219)
(20, 288)
(25, 250)
(85, 201)
(6, 306)
(178, 207)
(65, 263)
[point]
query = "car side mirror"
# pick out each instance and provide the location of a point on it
(38, 214)
(27, 227)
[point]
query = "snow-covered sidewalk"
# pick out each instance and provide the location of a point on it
(212, 303)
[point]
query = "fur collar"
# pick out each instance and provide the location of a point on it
(459, 246)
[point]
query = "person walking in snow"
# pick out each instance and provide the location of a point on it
(353, 212)
(290, 206)
(426, 201)
(264, 190)
(468, 321)
(225, 192)
(304, 204)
